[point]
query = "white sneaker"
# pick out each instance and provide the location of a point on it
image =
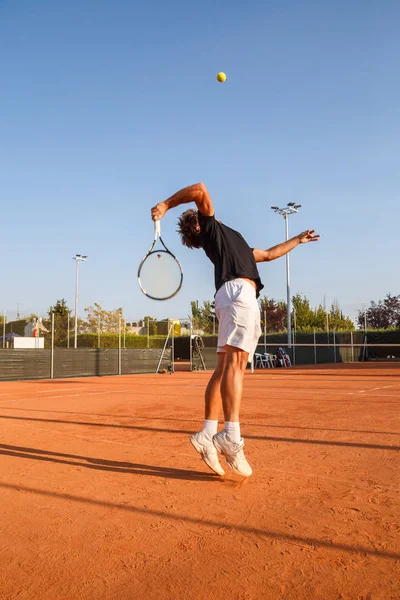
(203, 444)
(233, 453)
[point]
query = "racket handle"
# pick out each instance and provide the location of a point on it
(157, 229)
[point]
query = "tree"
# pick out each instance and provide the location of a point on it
(337, 320)
(60, 308)
(303, 315)
(207, 317)
(196, 314)
(275, 313)
(61, 312)
(392, 307)
(383, 314)
(107, 320)
(151, 325)
(203, 317)
(320, 318)
(307, 318)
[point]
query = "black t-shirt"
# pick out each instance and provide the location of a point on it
(229, 252)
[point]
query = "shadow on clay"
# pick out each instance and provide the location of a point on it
(105, 465)
(264, 533)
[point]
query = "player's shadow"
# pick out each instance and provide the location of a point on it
(101, 464)
(212, 524)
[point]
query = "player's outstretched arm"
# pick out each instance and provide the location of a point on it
(285, 247)
(196, 193)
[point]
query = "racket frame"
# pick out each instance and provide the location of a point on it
(157, 235)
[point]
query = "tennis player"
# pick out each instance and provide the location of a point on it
(238, 286)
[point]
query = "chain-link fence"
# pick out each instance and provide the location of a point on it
(50, 346)
(27, 357)
(46, 346)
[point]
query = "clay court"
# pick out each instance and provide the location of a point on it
(103, 497)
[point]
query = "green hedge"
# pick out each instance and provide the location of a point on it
(110, 340)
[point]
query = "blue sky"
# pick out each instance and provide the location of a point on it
(107, 108)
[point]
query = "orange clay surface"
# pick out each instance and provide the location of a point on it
(103, 497)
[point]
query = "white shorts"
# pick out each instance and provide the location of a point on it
(238, 315)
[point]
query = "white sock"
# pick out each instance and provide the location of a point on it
(210, 427)
(232, 428)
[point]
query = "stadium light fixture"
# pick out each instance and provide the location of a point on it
(78, 258)
(290, 209)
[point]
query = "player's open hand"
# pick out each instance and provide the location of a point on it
(158, 211)
(308, 236)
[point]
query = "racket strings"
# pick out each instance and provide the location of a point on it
(160, 275)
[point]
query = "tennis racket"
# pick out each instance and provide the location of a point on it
(160, 274)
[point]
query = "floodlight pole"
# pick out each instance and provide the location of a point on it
(78, 258)
(365, 318)
(288, 297)
(68, 329)
(290, 209)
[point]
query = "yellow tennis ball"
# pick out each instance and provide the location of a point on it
(221, 77)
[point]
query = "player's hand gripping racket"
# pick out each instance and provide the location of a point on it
(160, 274)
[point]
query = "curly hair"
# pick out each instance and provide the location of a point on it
(187, 229)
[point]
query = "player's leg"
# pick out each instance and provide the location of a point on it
(213, 399)
(232, 382)
(229, 441)
(239, 329)
(202, 440)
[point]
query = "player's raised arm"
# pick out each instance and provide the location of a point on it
(282, 249)
(196, 193)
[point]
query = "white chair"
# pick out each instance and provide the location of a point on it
(260, 362)
(269, 360)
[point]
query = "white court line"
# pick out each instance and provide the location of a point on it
(66, 396)
(44, 391)
(74, 395)
(269, 389)
(311, 392)
(384, 387)
(105, 393)
(378, 395)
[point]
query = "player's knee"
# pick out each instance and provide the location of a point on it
(237, 358)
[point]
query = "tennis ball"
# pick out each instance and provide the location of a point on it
(221, 77)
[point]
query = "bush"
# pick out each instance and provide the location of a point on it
(110, 340)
